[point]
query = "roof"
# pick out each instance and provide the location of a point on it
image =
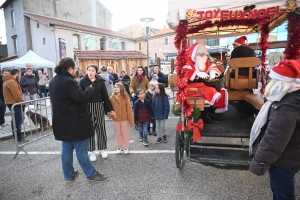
(5, 3)
(50, 21)
(108, 55)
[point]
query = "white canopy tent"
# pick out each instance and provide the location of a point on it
(190, 10)
(32, 58)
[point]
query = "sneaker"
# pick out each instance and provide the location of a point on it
(159, 140)
(92, 156)
(165, 138)
(154, 133)
(103, 154)
(76, 173)
(98, 177)
(141, 139)
(145, 143)
(126, 151)
(118, 150)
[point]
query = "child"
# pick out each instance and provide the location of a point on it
(122, 106)
(161, 109)
(142, 114)
(149, 96)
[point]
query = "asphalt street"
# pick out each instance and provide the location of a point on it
(146, 173)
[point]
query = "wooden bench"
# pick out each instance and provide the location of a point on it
(257, 100)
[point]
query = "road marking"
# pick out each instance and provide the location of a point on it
(108, 152)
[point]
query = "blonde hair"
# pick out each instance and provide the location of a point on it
(123, 92)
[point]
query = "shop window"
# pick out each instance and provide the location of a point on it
(76, 42)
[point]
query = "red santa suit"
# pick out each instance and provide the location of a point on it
(217, 99)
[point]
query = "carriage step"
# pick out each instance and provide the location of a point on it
(220, 155)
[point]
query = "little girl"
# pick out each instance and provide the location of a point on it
(142, 114)
(122, 106)
(161, 109)
(149, 96)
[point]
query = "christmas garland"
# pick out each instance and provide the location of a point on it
(292, 50)
(264, 46)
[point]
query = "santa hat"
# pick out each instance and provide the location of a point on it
(196, 47)
(220, 61)
(286, 70)
(241, 41)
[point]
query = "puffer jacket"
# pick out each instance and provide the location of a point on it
(160, 108)
(280, 146)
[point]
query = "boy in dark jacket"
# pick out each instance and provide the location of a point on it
(142, 114)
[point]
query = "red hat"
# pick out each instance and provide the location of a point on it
(286, 70)
(241, 41)
(220, 61)
(194, 48)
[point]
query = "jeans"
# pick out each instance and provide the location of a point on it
(2, 112)
(31, 97)
(42, 89)
(282, 183)
(81, 148)
(18, 119)
(143, 130)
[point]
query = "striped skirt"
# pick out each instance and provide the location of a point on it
(97, 114)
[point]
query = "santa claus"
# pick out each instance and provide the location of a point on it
(198, 66)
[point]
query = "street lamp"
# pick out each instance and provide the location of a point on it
(147, 20)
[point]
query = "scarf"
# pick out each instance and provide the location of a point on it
(276, 93)
(140, 78)
(151, 91)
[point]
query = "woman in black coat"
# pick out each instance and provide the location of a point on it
(71, 121)
(96, 109)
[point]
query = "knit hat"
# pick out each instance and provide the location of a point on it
(286, 70)
(154, 77)
(241, 41)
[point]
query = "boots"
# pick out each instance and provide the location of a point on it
(205, 116)
(215, 116)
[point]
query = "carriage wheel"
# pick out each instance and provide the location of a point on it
(179, 149)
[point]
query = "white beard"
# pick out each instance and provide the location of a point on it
(200, 62)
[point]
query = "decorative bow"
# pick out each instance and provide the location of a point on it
(195, 126)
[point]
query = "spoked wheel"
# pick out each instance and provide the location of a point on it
(179, 149)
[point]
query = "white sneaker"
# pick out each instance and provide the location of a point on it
(118, 150)
(92, 156)
(126, 151)
(103, 154)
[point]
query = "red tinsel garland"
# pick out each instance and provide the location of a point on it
(264, 46)
(292, 50)
(181, 45)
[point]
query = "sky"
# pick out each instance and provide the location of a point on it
(125, 13)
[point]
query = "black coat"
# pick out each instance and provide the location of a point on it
(161, 78)
(241, 52)
(280, 145)
(100, 91)
(71, 120)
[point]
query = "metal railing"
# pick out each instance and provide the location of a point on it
(36, 122)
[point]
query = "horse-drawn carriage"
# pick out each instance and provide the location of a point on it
(224, 141)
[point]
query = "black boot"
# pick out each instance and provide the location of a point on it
(215, 116)
(205, 116)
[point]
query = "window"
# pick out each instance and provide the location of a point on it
(140, 46)
(44, 41)
(122, 46)
(13, 23)
(103, 43)
(155, 56)
(76, 42)
(212, 42)
(194, 41)
(15, 42)
(166, 41)
(154, 43)
(38, 25)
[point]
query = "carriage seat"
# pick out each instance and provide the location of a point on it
(239, 83)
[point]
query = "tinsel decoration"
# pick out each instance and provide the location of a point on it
(181, 45)
(292, 50)
(264, 46)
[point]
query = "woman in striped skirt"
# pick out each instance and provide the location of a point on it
(96, 109)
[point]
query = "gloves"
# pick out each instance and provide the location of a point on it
(213, 74)
(202, 75)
